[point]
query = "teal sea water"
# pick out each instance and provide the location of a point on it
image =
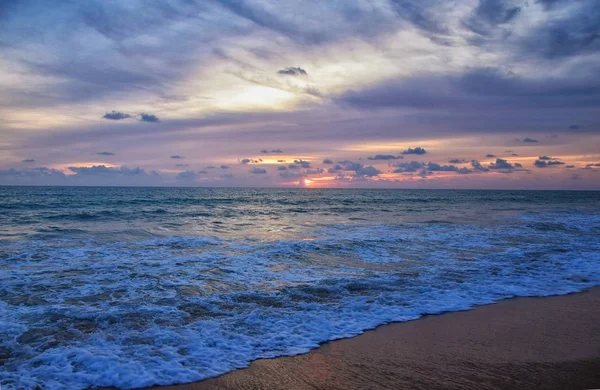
(132, 287)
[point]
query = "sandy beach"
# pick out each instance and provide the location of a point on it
(523, 343)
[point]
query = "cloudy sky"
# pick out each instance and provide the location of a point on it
(338, 93)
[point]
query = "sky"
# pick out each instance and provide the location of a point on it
(499, 94)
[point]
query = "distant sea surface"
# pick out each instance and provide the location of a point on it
(133, 287)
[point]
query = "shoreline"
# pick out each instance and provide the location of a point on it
(523, 342)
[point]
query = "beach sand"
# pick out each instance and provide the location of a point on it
(523, 343)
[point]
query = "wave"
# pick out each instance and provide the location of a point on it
(80, 311)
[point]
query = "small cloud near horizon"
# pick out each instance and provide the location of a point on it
(417, 150)
(293, 71)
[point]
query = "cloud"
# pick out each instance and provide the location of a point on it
(546, 158)
(490, 155)
(291, 175)
(186, 175)
(385, 157)
(417, 150)
(337, 168)
(224, 166)
(327, 161)
(570, 166)
(250, 161)
(574, 127)
(176, 157)
(32, 176)
(368, 171)
(302, 163)
(148, 118)
(478, 167)
(276, 151)
(435, 167)
(105, 154)
(404, 167)
(526, 140)
(257, 170)
(282, 168)
(547, 163)
(28, 160)
(292, 71)
(102, 170)
(458, 161)
(293, 166)
(182, 165)
(491, 13)
(504, 165)
(116, 115)
(493, 88)
(314, 171)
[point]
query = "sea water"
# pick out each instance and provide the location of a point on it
(132, 287)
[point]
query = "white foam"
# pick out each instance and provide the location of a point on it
(131, 314)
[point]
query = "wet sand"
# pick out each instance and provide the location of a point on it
(524, 343)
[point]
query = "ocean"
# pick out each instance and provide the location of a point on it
(132, 287)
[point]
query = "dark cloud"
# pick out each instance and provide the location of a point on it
(417, 150)
(592, 165)
(574, 127)
(477, 167)
(490, 155)
(491, 13)
(458, 161)
(546, 158)
(543, 163)
(28, 160)
(116, 115)
(257, 170)
(277, 151)
(250, 161)
(182, 165)
(328, 161)
(224, 166)
(148, 117)
(404, 167)
(102, 170)
(337, 168)
(504, 165)
(385, 157)
(573, 31)
(293, 166)
(526, 140)
(570, 166)
(105, 154)
(176, 157)
(359, 169)
(32, 175)
(304, 164)
(291, 175)
(292, 71)
(368, 171)
(490, 88)
(435, 167)
(282, 168)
